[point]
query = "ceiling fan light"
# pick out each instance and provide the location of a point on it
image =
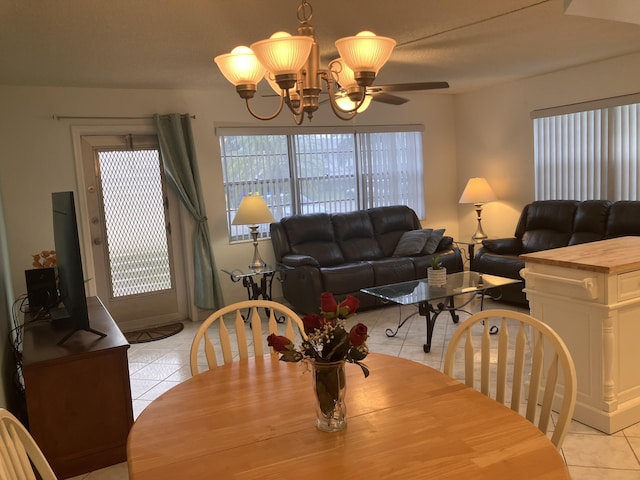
(365, 52)
(240, 67)
(283, 54)
(346, 104)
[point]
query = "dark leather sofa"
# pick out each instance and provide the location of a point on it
(344, 252)
(552, 224)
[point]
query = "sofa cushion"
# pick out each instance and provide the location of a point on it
(355, 236)
(433, 241)
(624, 219)
(346, 278)
(411, 243)
(549, 225)
(590, 222)
(392, 270)
(313, 235)
(389, 223)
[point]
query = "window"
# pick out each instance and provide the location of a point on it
(590, 154)
(327, 171)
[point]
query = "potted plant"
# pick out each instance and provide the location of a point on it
(436, 273)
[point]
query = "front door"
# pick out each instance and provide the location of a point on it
(130, 217)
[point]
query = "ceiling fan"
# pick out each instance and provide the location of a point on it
(380, 93)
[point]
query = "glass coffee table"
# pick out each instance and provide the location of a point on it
(432, 301)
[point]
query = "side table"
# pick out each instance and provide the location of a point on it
(261, 288)
(471, 246)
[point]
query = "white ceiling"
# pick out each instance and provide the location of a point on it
(171, 43)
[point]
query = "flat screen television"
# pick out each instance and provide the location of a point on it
(71, 281)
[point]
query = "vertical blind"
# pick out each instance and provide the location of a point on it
(333, 171)
(588, 155)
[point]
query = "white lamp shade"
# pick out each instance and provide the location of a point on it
(253, 210)
(241, 66)
(283, 53)
(477, 191)
(365, 52)
(344, 74)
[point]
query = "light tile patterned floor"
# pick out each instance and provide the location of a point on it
(158, 366)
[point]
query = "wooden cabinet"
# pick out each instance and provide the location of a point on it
(590, 295)
(78, 394)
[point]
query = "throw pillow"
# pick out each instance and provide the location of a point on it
(431, 245)
(410, 243)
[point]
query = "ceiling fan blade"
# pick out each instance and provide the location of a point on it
(408, 87)
(387, 98)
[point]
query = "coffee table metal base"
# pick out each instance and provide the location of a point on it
(427, 310)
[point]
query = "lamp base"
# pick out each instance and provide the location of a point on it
(479, 235)
(256, 263)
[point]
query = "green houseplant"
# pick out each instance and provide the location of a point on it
(436, 273)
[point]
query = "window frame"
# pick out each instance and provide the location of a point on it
(360, 178)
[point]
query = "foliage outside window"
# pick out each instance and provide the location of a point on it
(321, 172)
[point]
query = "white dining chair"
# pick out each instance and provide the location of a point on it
(19, 453)
(540, 366)
(280, 319)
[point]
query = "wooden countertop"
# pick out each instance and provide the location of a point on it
(616, 255)
(255, 420)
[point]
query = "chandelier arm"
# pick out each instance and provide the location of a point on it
(298, 118)
(270, 117)
(296, 112)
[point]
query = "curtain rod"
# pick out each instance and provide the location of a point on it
(72, 117)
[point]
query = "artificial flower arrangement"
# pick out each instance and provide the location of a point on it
(44, 259)
(327, 337)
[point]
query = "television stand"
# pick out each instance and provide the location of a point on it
(88, 329)
(78, 394)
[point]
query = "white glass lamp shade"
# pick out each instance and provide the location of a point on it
(241, 66)
(253, 210)
(344, 74)
(477, 191)
(346, 104)
(283, 54)
(365, 52)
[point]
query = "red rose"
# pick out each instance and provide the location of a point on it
(328, 304)
(313, 321)
(279, 343)
(358, 334)
(348, 306)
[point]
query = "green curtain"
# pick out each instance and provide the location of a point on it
(181, 168)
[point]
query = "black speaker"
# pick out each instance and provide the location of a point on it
(41, 287)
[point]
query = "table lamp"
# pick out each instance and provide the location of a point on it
(253, 211)
(478, 192)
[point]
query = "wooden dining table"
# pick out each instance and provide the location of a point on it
(255, 420)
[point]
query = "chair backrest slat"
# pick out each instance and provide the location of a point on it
(535, 377)
(518, 368)
(19, 453)
(485, 359)
(542, 356)
(503, 352)
(254, 309)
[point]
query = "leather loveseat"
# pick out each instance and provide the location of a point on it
(344, 252)
(550, 224)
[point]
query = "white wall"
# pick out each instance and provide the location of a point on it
(494, 133)
(37, 158)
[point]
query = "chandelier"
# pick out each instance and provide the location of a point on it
(291, 66)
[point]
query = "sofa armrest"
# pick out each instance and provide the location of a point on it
(503, 246)
(299, 260)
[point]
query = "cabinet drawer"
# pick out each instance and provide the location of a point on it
(628, 286)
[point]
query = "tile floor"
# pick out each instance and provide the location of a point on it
(156, 367)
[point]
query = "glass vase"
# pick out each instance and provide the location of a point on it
(329, 386)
